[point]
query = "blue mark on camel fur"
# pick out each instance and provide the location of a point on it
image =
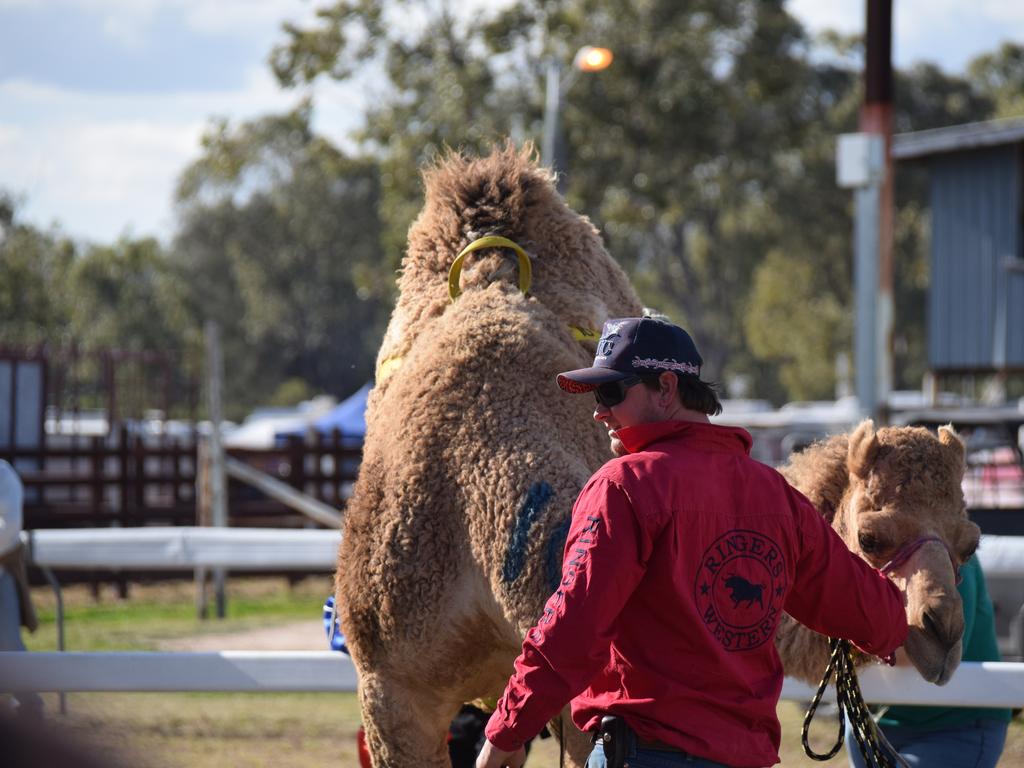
(515, 558)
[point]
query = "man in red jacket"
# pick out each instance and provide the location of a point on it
(682, 554)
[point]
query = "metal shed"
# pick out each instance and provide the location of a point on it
(976, 297)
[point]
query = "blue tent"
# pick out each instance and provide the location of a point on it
(348, 417)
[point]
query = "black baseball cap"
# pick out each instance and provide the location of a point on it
(635, 346)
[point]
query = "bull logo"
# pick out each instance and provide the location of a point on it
(742, 591)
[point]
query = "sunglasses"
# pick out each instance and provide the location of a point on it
(614, 392)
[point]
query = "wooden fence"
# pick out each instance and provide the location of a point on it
(133, 479)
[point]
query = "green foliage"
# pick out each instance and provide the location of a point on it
(705, 153)
(279, 242)
(442, 91)
(999, 76)
(33, 289)
(291, 392)
(157, 613)
(682, 147)
(122, 296)
(795, 320)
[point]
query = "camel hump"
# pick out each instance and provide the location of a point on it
(820, 472)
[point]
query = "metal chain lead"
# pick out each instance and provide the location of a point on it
(876, 749)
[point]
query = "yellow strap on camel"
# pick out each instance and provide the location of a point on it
(585, 334)
(387, 367)
(490, 241)
(391, 364)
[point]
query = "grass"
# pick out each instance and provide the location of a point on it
(162, 611)
(282, 730)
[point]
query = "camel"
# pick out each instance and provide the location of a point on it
(473, 458)
(894, 496)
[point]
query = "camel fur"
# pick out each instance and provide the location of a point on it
(473, 457)
(882, 490)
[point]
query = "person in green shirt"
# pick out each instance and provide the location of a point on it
(951, 737)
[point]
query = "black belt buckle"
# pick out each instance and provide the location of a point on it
(614, 737)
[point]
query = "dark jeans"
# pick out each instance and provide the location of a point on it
(975, 745)
(652, 758)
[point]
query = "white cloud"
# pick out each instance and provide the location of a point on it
(233, 15)
(130, 31)
(220, 16)
(841, 15)
(948, 32)
(102, 162)
(130, 23)
(9, 134)
(1005, 11)
(96, 176)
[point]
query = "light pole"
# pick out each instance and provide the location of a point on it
(587, 59)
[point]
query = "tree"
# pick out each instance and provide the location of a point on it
(669, 149)
(999, 76)
(817, 225)
(442, 91)
(278, 241)
(122, 296)
(33, 290)
(683, 148)
(705, 153)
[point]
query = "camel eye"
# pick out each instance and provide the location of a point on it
(869, 544)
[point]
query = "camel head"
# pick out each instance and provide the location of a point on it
(470, 201)
(904, 507)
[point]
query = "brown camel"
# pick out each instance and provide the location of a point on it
(892, 494)
(453, 538)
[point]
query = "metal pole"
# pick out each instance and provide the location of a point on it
(876, 118)
(865, 282)
(215, 370)
(202, 518)
(552, 105)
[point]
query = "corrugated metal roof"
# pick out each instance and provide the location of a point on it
(957, 138)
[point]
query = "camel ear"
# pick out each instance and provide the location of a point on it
(949, 438)
(863, 449)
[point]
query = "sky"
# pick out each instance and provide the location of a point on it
(103, 102)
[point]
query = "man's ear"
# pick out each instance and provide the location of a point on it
(668, 384)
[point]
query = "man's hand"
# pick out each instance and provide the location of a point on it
(492, 757)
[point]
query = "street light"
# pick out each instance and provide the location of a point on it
(589, 58)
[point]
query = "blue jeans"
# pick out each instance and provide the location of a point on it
(974, 745)
(29, 703)
(652, 758)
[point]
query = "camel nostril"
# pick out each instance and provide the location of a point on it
(942, 631)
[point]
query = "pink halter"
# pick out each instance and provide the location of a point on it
(907, 550)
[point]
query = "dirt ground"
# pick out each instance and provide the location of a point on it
(293, 636)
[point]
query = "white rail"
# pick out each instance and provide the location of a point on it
(284, 493)
(233, 671)
(185, 548)
(976, 684)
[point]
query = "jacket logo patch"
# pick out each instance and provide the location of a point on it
(740, 589)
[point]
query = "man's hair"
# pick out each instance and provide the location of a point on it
(694, 394)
